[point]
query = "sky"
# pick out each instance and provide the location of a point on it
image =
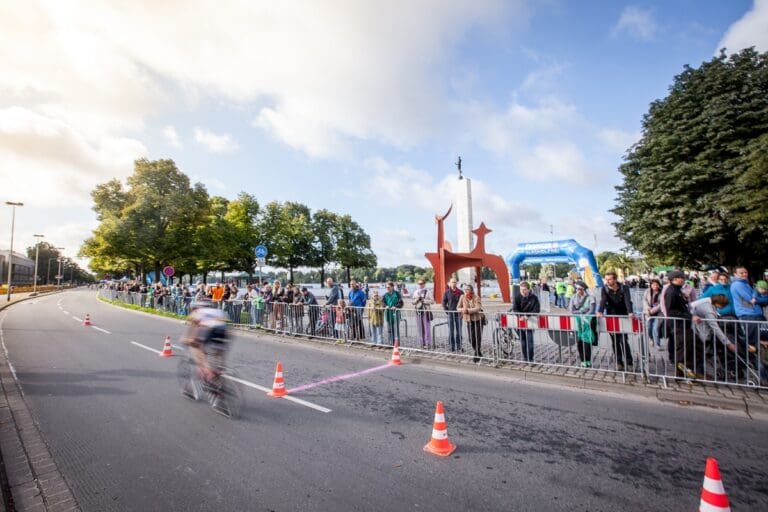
(360, 107)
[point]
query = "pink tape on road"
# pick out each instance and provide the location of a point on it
(338, 378)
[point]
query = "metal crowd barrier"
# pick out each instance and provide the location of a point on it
(616, 344)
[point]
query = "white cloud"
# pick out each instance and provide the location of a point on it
(337, 78)
(172, 136)
(750, 30)
(637, 23)
(618, 141)
(406, 185)
(47, 162)
(215, 143)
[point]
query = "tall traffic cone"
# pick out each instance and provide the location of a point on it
(713, 497)
(87, 320)
(167, 352)
(396, 355)
(278, 387)
(439, 444)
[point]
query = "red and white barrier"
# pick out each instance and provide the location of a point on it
(611, 324)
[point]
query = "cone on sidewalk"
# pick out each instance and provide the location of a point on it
(87, 320)
(396, 355)
(439, 444)
(713, 497)
(278, 387)
(167, 352)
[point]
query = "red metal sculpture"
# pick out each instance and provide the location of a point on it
(445, 261)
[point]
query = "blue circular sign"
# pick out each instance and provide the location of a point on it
(261, 251)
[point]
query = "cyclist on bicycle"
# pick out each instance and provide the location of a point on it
(207, 338)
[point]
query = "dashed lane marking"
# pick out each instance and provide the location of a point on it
(102, 330)
(65, 312)
(158, 352)
(76, 319)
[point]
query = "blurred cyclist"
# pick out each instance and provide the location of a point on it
(207, 338)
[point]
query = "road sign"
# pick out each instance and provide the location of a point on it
(168, 271)
(261, 251)
(261, 262)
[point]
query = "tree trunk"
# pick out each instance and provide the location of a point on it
(290, 274)
(205, 278)
(322, 276)
(348, 279)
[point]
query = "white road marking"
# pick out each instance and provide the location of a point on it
(158, 352)
(77, 319)
(177, 347)
(287, 397)
(65, 312)
(102, 330)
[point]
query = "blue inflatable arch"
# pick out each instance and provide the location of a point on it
(558, 251)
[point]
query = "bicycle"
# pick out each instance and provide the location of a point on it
(504, 337)
(223, 392)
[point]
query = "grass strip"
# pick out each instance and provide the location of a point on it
(134, 307)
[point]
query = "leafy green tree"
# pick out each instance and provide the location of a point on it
(353, 246)
(324, 231)
(694, 186)
(285, 228)
(150, 223)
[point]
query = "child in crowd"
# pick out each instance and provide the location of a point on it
(760, 295)
(340, 324)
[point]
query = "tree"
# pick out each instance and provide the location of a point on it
(692, 186)
(353, 245)
(324, 231)
(285, 228)
(151, 222)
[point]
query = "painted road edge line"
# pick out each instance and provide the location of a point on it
(76, 319)
(146, 347)
(287, 397)
(100, 329)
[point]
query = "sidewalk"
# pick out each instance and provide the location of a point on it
(30, 480)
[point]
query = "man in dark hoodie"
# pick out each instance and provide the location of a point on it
(450, 301)
(679, 318)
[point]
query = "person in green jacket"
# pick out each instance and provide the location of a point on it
(393, 301)
(560, 288)
(569, 291)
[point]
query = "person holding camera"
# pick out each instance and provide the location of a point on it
(422, 300)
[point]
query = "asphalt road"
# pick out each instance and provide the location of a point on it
(125, 439)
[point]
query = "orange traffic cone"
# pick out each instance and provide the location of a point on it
(439, 444)
(713, 497)
(396, 355)
(87, 320)
(278, 387)
(167, 352)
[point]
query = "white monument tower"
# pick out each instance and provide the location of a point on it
(464, 223)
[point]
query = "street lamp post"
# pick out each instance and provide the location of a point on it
(37, 253)
(10, 252)
(60, 259)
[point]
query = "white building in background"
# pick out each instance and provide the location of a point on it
(23, 268)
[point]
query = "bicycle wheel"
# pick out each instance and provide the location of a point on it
(226, 396)
(185, 376)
